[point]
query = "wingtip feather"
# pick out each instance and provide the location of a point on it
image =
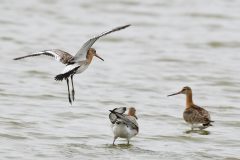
(125, 26)
(17, 58)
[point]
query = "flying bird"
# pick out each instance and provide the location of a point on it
(196, 116)
(74, 64)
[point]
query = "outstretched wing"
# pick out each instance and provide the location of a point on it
(81, 54)
(58, 54)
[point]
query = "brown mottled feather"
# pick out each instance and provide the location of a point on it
(65, 57)
(196, 114)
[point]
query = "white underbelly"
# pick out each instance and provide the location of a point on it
(122, 131)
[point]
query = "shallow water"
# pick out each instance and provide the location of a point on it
(170, 44)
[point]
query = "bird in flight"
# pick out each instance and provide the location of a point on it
(74, 64)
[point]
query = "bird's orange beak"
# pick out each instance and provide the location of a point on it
(175, 94)
(99, 57)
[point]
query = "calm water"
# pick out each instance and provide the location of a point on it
(170, 44)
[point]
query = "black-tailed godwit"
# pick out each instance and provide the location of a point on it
(74, 64)
(124, 125)
(196, 116)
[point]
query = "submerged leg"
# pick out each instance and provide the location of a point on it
(192, 127)
(73, 92)
(127, 141)
(114, 140)
(69, 98)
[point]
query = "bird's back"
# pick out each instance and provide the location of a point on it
(196, 115)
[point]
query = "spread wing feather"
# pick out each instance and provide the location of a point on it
(81, 54)
(58, 54)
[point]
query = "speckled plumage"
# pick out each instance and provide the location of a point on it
(196, 116)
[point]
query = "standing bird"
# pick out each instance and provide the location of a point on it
(193, 114)
(74, 64)
(124, 126)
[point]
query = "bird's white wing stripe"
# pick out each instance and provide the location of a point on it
(69, 68)
(56, 56)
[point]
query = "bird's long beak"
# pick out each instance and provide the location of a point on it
(99, 57)
(135, 116)
(175, 94)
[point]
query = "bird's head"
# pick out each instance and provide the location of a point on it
(186, 90)
(92, 52)
(132, 112)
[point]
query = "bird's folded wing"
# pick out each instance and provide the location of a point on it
(198, 115)
(129, 120)
(81, 54)
(133, 121)
(58, 54)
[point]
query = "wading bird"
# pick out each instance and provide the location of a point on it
(124, 126)
(74, 64)
(196, 116)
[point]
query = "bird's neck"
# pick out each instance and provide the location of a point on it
(189, 101)
(89, 58)
(132, 115)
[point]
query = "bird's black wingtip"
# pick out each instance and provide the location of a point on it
(128, 25)
(123, 27)
(16, 58)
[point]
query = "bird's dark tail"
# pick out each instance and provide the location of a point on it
(60, 77)
(208, 124)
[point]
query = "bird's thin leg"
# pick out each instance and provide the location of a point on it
(114, 140)
(127, 141)
(73, 92)
(69, 98)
